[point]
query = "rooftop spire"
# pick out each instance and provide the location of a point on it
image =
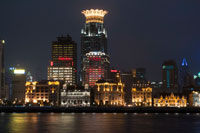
(184, 62)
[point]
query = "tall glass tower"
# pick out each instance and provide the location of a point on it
(63, 65)
(93, 36)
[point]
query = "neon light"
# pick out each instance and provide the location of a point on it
(114, 71)
(64, 59)
(94, 59)
(19, 71)
(51, 63)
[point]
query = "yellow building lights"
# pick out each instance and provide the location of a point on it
(19, 71)
(94, 15)
(53, 83)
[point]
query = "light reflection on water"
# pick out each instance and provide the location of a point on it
(95, 122)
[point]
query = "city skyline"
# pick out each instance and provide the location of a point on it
(146, 40)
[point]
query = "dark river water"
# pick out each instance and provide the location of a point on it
(102, 123)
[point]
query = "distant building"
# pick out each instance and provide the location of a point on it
(63, 65)
(2, 70)
(127, 79)
(73, 96)
(185, 77)
(43, 93)
(141, 95)
(170, 76)
(194, 99)
(95, 66)
(18, 86)
(170, 101)
(108, 93)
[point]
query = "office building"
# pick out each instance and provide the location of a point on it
(63, 65)
(18, 78)
(93, 35)
(142, 95)
(170, 76)
(109, 93)
(75, 96)
(95, 67)
(43, 93)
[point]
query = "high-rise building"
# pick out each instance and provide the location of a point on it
(170, 75)
(63, 65)
(18, 86)
(95, 67)
(185, 77)
(2, 70)
(93, 35)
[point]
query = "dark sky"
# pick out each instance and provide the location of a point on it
(141, 33)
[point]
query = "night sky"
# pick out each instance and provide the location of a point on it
(141, 33)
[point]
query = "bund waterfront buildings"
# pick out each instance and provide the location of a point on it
(109, 93)
(63, 65)
(93, 39)
(98, 84)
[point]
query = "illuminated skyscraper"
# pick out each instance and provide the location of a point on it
(2, 70)
(170, 75)
(63, 65)
(94, 35)
(95, 67)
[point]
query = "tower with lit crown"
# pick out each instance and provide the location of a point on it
(93, 39)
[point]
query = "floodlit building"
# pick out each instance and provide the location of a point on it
(63, 65)
(43, 93)
(170, 101)
(109, 93)
(142, 96)
(73, 96)
(95, 66)
(194, 99)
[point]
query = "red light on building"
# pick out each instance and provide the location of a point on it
(51, 63)
(114, 71)
(94, 59)
(64, 59)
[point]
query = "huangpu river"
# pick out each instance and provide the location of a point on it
(98, 122)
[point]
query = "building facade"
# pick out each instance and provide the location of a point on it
(72, 96)
(93, 35)
(108, 93)
(142, 96)
(18, 86)
(170, 101)
(170, 76)
(63, 65)
(95, 67)
(194, 99)
(43, 93)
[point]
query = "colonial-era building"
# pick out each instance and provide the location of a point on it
(109, 93)
(72, 96)
(194, 99)
(170, 101)
(142, 96)
(43, 92)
